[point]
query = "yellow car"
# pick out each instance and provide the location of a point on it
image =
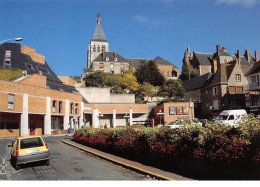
(29, 149)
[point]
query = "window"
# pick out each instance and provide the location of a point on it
(215, 105)
(44, 70)
(122, 66)
(2, 125)
(231, 117)
(7, 54)
(101, 66)
(215, 90)
(11, 101)
(111, 66)
(94, 48)
(60, 106)
(71, 108)
(98, 48)
(12, 125)
(30, 143)
(7, 61)
(54, 106)
(116, 59)
(238, 77)
(107, 58)
(76, 108)
(29, 66)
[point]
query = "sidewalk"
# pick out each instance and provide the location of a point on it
(153, 172)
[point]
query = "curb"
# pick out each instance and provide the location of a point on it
(143, 171)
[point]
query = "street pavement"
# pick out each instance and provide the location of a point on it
(66, 163)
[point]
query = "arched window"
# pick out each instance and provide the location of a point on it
(94, 48)
(98, 48)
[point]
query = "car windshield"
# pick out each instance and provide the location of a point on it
(30, 143)
(222, 117)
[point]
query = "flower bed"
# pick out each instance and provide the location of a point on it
(213, 144)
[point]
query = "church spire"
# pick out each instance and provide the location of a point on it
(99, 34)
(98, 18)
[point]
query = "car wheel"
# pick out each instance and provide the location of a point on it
(47, 162)
(17, 167)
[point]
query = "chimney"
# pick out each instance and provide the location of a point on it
(115, 54)
(103, 53)
(238, 55)
(215, 66)
(247, 55)
(256, 56)
(218, 49)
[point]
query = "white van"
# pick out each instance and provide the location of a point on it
(231, 117)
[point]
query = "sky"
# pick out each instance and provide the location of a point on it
(61, 30)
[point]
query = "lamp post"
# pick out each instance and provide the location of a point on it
(15, 39)
(99, 116)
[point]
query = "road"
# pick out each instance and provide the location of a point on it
(66, 163)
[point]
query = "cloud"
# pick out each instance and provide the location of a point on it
(152, 22)
(248, 3)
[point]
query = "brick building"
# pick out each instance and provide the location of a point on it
(168, 112)
(38, 102)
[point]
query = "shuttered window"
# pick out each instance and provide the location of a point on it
(232, 89)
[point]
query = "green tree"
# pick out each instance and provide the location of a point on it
(172, 89)
(145, 90)
(96, 79)
(149, 72)
(188, 72)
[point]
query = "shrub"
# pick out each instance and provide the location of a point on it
(212, 143)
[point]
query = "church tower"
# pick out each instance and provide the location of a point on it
(97, 43)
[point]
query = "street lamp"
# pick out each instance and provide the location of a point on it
(15, 39)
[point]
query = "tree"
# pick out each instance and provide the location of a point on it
(188, 72)
(172, 89)
(149, 72)
(96, 79)
(129, 82)
(145, 90)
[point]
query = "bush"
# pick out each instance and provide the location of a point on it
(212, 143)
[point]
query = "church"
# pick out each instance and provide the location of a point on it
(100, 58)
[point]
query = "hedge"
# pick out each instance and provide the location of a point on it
(213, 143)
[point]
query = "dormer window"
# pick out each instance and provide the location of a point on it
(43, 70)
(107, 58)
(116, 59)
(7, 61)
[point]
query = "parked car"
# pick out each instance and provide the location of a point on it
(231, 117)
(29, 149)
(181, 124)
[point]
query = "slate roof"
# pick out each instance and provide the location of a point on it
(204, 58)
(197, 82)
(61, 87)
(160, 61)
(136, 62)
(254, 69)
(244, 61)
(25, 62)
(99, 34)
(111, 56)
